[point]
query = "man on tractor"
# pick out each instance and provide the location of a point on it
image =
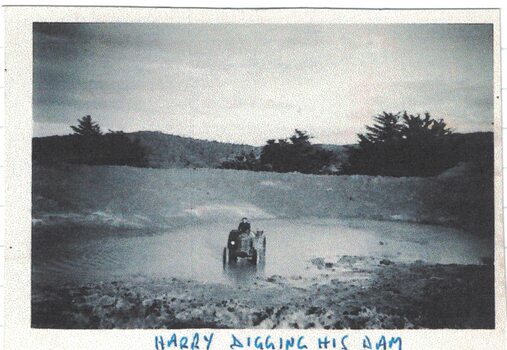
(245, 244)
(244, 226)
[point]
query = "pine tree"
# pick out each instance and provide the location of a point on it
(401, 145)
(387, 127)
(86, 127)
(418, 127)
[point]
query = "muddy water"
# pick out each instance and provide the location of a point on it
(196, 252)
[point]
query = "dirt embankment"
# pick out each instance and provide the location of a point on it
(126, 197)
(372, 294)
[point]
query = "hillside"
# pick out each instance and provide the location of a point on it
(172, 151)
(161, 150)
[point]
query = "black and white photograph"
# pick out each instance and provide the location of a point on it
(263, 175)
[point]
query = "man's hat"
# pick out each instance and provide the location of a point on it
(244, 218)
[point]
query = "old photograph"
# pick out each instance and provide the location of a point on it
(263, 175)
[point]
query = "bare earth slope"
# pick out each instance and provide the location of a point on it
(167, 197)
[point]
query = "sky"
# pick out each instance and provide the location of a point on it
(246, 83)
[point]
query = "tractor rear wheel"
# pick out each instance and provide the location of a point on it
(232, 257)
(224, 256)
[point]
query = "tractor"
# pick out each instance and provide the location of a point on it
(245, 245)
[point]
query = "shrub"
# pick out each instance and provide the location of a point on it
(285, 155)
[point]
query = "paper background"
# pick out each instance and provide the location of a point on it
(18, 82)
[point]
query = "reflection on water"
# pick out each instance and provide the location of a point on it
(244, 271)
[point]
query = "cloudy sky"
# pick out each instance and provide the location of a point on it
(246, 83)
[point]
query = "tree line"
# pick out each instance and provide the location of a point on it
(295, 153)
(396, 144)
(89, 145)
